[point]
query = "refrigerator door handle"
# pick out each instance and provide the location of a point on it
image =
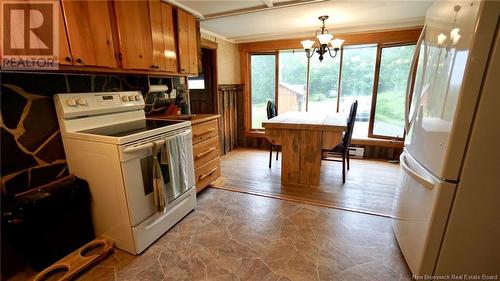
(422, 180)
(409, 81)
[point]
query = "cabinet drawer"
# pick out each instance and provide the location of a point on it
(204, 131)
(207, 173)
(205, 151)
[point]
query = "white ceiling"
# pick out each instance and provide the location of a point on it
(345, 16)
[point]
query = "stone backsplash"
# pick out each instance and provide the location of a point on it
(31, 147)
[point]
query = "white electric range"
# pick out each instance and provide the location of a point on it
(108, 142)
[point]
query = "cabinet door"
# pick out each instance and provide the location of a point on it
(192, 44)
(134, 33)
(64, 52)
(155, 20)
(182, 35)
(89, 30)
(169, 37)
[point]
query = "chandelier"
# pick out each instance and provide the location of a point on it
(324, 38)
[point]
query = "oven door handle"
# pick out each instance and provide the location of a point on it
(143, 146)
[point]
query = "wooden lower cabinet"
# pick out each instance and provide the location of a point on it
(206, 151)
(207, 174)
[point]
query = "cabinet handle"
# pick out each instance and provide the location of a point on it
(204, 153)
(79, 61)
(153, 66)
(68, 59)
(208, 174)
(204, 133)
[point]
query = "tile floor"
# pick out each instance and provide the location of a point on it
(236, 236)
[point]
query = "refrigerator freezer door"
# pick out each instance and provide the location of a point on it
(446, 89)
(421, 209)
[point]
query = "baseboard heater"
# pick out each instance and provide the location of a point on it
(356, 152)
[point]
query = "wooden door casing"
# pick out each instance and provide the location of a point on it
(88, 27)
(134, 33)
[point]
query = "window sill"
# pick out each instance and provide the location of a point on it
(255, 134)
(355, 141)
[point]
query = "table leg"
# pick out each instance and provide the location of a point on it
(301, 157)
(290, 156)
(310, 157)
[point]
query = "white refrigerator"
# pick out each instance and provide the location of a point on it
(447, 204)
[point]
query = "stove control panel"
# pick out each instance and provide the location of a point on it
(85, 104)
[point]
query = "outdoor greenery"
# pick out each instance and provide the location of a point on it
(394, 67)
(357, 80)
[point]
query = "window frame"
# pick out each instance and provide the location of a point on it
(276, 73)
(378, 62)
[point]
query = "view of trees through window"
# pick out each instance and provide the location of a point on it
(292, 81)
(358, 72)
(323, 83)
(262, 71)
(357, 76)
(393, 74)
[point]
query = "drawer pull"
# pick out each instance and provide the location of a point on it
(208, 174)
(204, 133)
(204, 153)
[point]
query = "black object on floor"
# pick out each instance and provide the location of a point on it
(54, 220)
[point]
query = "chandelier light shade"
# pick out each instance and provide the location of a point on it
(324, 38)
(448, 42)
(307, 44)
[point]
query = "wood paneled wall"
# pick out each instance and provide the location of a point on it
(228, 110)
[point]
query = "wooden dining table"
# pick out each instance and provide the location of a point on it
(302, 136)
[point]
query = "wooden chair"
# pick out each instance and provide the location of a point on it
(272, 112)
(342, 149)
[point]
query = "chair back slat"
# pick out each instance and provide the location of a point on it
(350, 125)
(271, 109)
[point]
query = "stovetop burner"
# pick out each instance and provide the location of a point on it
(130, 128)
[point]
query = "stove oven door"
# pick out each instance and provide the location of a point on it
(138, 180)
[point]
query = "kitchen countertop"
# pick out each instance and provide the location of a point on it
(193, 118)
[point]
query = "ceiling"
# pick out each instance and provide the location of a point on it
(259, 20)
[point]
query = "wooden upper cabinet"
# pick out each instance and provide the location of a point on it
(187, 34)
(163, 36)
(89, 32)
(168, 27)
(134, 33)
(64, 52)
(155, 20)
(193, 44)
(183, 37)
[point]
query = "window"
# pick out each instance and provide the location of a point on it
(262, 87)
(390, 98)
(374, 74)
(323, 84)
(196, 83)
(292, 81)
(358, 72)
